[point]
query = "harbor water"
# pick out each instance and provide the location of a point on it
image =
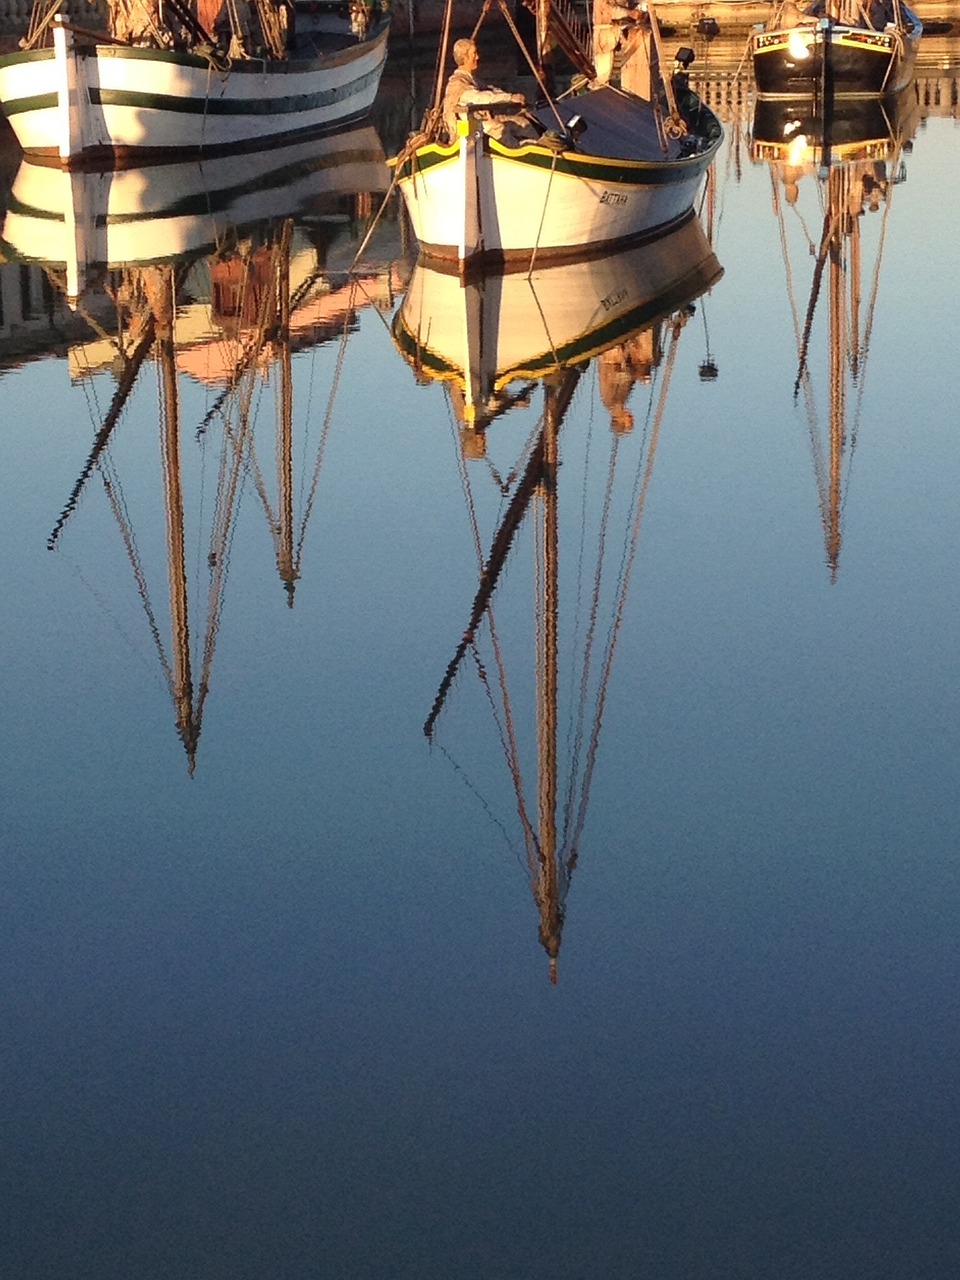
(466, 825)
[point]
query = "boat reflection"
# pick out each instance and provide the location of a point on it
(838, 171)
(498, 344)
(217, 290)
(90, 220)
(788, 130)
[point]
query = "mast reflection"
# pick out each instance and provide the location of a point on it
(214, 276)
(498, 344)
(848, 161)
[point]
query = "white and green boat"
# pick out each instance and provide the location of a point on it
(603, 165)
(164, 85)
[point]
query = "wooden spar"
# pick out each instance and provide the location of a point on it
(272, 326)
(543, 29)
(546, 889)
(124, 386)
(856, 268)
(837, 189)
(285, 563)
(88, 33)
(163, 301)
(665, 81)
(499, 550)
(189, 701)
(837, 404)
(557, 20)
(324, 431)
(500, 547)
(826, 245)
(191, 23)
(848, 342)
(439, 80)
(535, 67)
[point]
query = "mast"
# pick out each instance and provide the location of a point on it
(553, 823)
(546, 888)
(254, 295)
(837, 363)
(559, 22)
(159, 285)
(538, 484)
(543, 30)
(846, 188)
(285, 545)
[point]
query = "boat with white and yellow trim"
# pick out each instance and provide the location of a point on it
(601, 166)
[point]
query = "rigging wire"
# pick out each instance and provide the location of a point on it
(506, 729)
(868, 331)
(484, 803)
(593, 617)
(572, 849)
(324, 431)
(581, 559)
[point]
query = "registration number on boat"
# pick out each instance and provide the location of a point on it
(613, 197)
(613, 299)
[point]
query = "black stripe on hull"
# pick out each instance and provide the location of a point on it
(444, 257)
(97, 158)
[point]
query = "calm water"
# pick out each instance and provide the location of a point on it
(291, 1016)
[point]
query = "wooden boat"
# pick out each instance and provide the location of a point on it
(838, 49)
(87, 221)
(494, 343)
(842, 169)
(162, 84)
(601, 166)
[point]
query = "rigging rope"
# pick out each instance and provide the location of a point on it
(572, 849)
(122, 516)
(325, 429)
(593, 617)
(120, 395)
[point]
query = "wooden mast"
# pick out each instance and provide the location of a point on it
(285, 544)
(159, 286)
(837, 362)
(552, 836)
(538, 484)
(846, 187)
(529, 483)
(546, 888)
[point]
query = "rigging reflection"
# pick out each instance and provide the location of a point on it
(217, 280)
(848, 161)
(500, 343)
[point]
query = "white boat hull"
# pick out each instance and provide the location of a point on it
(86, 103)
(479, 199)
